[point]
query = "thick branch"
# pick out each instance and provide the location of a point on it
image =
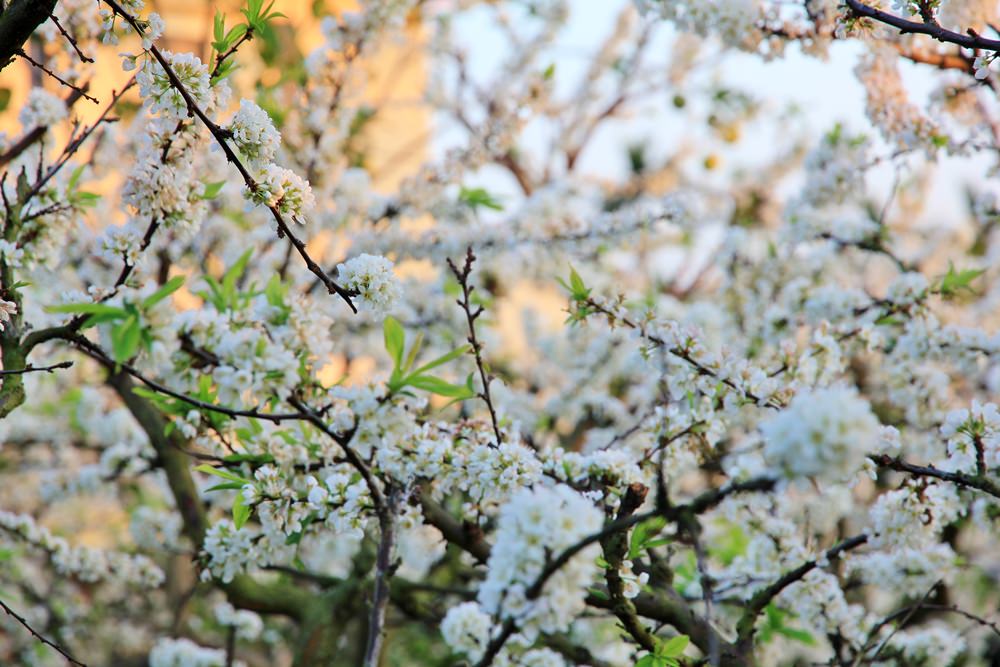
(383, 573)
(615, 548)
(17, 22)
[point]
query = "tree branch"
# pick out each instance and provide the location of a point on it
(222, 140)
(970, 40)
(17, 617)
(477, 347)
(745, 628)
(17, 22)
(978, 482)
(384, 567)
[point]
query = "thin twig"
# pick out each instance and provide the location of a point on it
(74, 144)
(39, 636)
(978, 482)
(477, 347)
(93, 350)
(353, 458)
(71, 40)
(746, 626)
(899, 626)
(36, 369)
(83, 93)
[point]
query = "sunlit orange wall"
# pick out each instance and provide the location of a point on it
(395, 76)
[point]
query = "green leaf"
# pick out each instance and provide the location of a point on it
(673, 648)
(797, 635)
(241, 511)
(125, 338)
(443, 359)
(221, 472)
(88, 308)
(887, 320)
(395, 340)
(414, 350)
(85, 199)
(225, 486)
(252, 458)
(953, 282)
(212, 190)
(576, 282)
(74, 177)
(478, 197)
(438, 386)
(598, 593)
(218, 29)
(643, 534)
(576, 287)
(166, 290)
(229, 278)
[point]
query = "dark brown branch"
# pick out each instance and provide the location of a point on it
(17, 21)
(95, 352)
(383, 573)
(20, 53)
(745, 628)
(477, 347)
(378, 499)
(17, 617)
(231, 646)
(36, 369)
(978, 482)
(970, 40)
(467, 536)
(71, 40)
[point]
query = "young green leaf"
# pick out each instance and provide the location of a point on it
(212, 190)
(953, 282)
(87, 308)
(395, 340)
(241, 511)
(478, 197)
(443, 359)
(674, 647)
(125, 337)
(166, 290)
(438, 386)
(221, 472)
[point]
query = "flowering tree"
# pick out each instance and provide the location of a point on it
(762, 436)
